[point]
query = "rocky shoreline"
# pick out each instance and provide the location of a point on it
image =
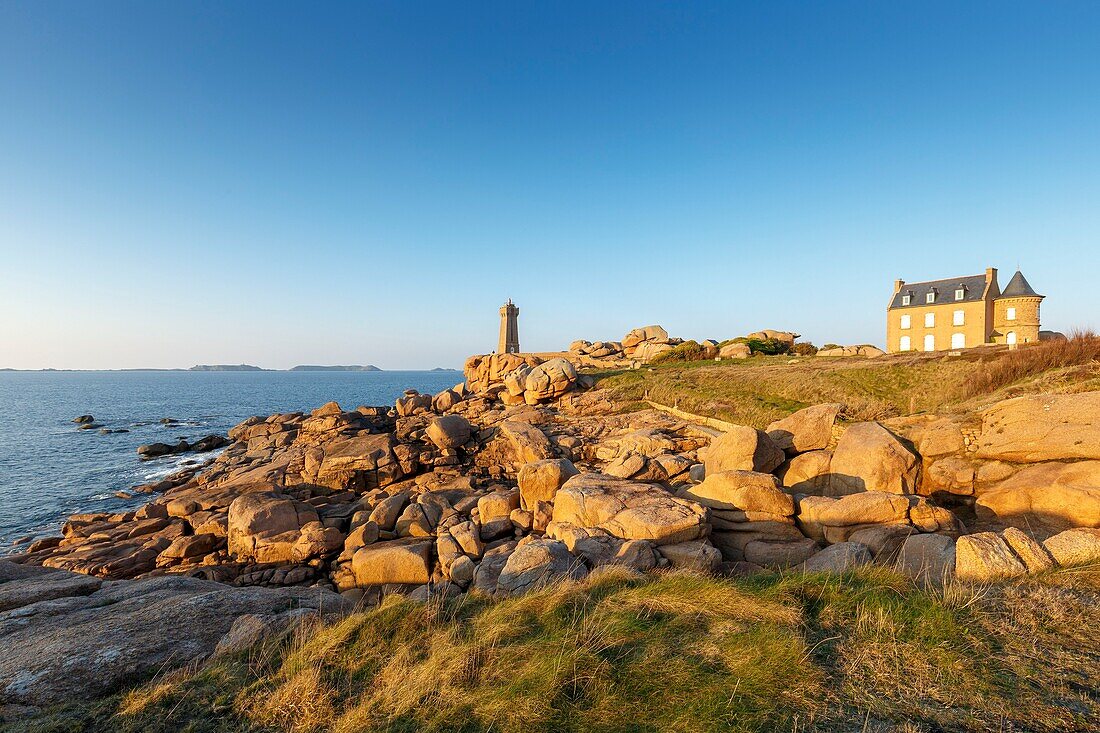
(526, 473)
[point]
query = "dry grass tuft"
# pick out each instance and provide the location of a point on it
(1082, 348)
(300, 703)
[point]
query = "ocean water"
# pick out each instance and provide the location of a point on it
(49, 469)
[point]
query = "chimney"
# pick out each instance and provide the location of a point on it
(898, 284)
(990, 274)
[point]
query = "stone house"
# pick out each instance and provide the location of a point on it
(962, 312)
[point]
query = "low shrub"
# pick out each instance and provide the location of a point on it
(804, 348)
(768, 347)
(687, 351)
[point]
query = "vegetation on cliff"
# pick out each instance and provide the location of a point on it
(758, 390)
(863, 651)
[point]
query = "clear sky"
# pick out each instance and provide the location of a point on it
(277, 184)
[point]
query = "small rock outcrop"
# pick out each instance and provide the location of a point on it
(535, 563)
(735, 350)
(628, 510)
(769, 334)
(868, 457)
(647, 342)
(265, 527)
(540, 480)
(1074, 546)
(1053, 495)
(928, 558)
(743, 448)
(518, 379)
(76, 641)
(806, 430)
(203, 445)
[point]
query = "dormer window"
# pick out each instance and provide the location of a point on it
(960, 293)
(905, 299)
(931, 297)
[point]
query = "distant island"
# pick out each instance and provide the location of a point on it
(337, 368)
(226, 368)
(443, 369)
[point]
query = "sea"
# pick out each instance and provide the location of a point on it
(50, 469)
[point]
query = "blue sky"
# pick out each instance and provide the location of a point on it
(278, 183)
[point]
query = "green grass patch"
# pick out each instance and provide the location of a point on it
(758, 390)
(668, 653)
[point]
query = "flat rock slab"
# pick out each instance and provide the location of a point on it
(21, 585)
(1042, 428)
(83, 646)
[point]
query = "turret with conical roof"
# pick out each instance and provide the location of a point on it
(1016, 312)
(1019, 287)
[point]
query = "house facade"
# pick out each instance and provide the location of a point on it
(961, 312)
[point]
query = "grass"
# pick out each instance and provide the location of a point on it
(758, 390)
(865, 651)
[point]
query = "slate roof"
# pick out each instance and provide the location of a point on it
(945, 291)
(1018, 287)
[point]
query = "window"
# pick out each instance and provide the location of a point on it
(905, 344)
(1010, 314)
(958, 318)
(905, 321)
(1011, 340)
(929, 320)
(960, 294)
(905, 299)
(929, 343)
(931, 297)
(958, 341)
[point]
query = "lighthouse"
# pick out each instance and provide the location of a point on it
(509, 329)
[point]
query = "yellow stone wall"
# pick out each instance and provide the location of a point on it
(1026, 323)
(976, 328)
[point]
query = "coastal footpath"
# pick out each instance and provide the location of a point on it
(524, 475)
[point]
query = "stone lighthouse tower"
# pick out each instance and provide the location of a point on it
(509, 329)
